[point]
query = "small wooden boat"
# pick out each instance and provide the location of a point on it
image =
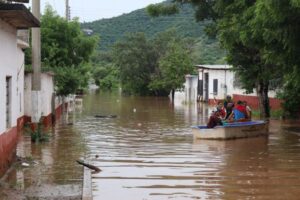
(232, 130)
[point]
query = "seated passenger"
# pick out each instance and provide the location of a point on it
(228, 105)
(248, 110)
(239, 113)
(216, 117)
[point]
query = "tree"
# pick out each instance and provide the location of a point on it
(66, 51)
(174, 62)
(153, 67)
(136, 59)
(106, 76)
(173, 66)
(104, 71)
(233, 23)
(278, 24)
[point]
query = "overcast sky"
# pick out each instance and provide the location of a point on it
(90, 10)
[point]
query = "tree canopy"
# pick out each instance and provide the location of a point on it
(152, 67)
(136, 60)
(261, 39)
(66, 51)
(206, 51)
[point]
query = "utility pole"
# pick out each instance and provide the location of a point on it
(36, 48)
(68, 14)
(36, 65)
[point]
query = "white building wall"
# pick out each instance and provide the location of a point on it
(189, 92)
(11, 64)
(47, 90)
(191, 88)
(226, 77)
(224, 87)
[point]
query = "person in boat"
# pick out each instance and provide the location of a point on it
(248, 110)
(239, 113)
(228, 105)
(218, 114)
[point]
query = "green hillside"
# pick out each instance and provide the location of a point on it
(113, 29)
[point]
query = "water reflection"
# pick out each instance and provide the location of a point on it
(148, 152)
(51, 163)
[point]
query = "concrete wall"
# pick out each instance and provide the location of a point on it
(253, 101)
(189, 93)
(11, 64)
(47, 90)
(27, 94)
(190, 88)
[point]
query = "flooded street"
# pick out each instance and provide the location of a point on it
(148, 152)
(49, 170)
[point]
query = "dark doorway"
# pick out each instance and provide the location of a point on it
(200, 88)
(206, 87)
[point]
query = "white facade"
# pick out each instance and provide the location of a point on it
(190, 88)
(47, 92)
(218, 82)
(11, 69)
(189, 92)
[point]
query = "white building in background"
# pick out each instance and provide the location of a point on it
(216, 82)
(188, 94)
(191, 88)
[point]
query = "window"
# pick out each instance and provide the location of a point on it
(215, 87)
(8, 102)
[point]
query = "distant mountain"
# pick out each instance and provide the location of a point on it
(113, 29)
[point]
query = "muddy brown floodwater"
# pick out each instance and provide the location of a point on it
(148, 152)
(48, 171)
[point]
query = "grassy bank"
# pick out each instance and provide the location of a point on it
(275, 114)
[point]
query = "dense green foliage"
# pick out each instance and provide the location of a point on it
(261, 39)
(291, 95)
(152, 67)
(136, 60)
(207, 50)
(104, 71)
(106, 76)
(65, 51)
(278, 24)
(114, 29)
(139, 70)
(174, 61)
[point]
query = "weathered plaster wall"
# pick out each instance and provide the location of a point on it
(12, 65)
(47, 89)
